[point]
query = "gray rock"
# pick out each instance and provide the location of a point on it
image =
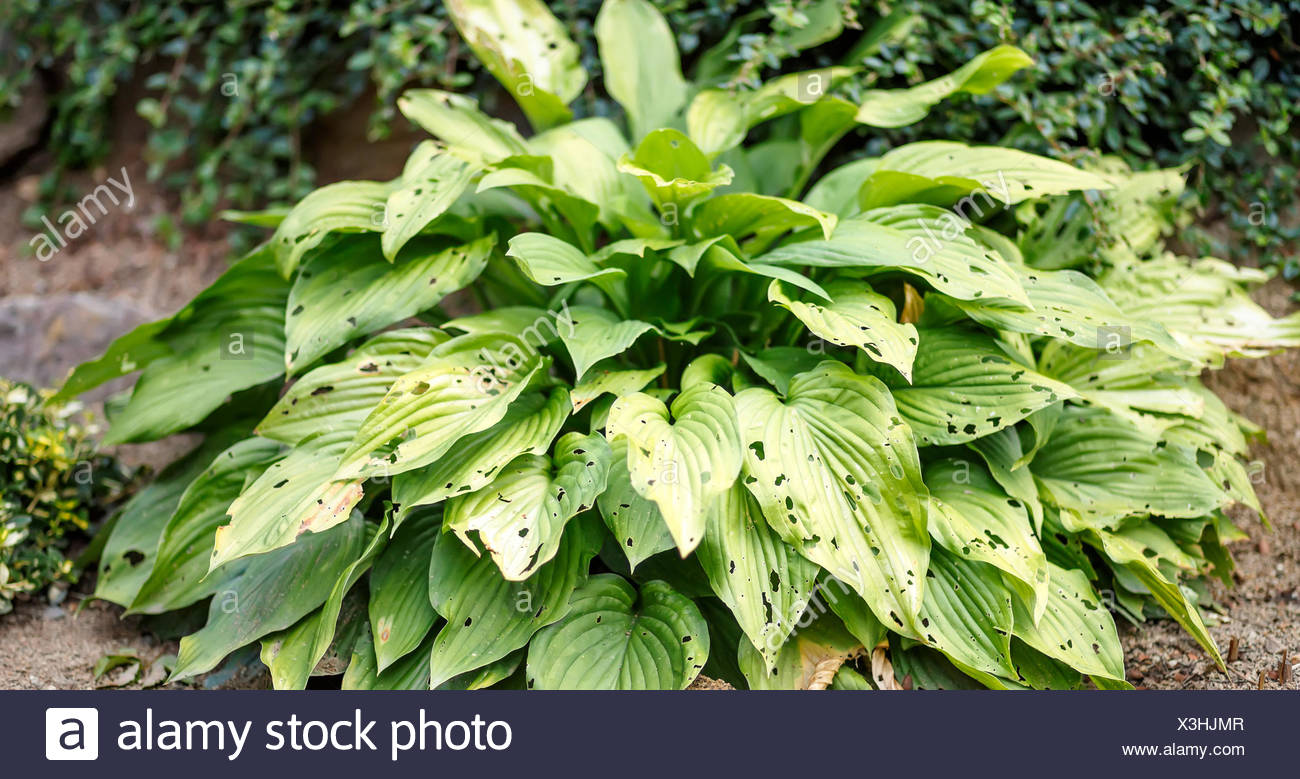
(43, 337)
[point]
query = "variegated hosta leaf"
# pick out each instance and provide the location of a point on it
(1075, 628)
(684, 462)
(744, 214)
(457, 121)
(641, 66)
(1218, 433)
(836, 473)
(489, 617)
(974, 519)
(348, 206)
(520, 515)
(295, 496)
(1203, 305)
(430, 183)
(855, 316)
(614, 638)
(185, 546)
(1102, 468)
(528, 50)
(635, 521)
(591, 334)
(1146, 387)
(291, 655)
(337, 397)
(272, 592)
(528, 427)
(1003, 454)
(926, 241)
(400, 612)
(349, 289)
(944, 172)
(764, 582)
(967, 613)
(1140, 550)
(673, 170)
(1070, 306)
(464, 387)
(965, 387)
(550, 261)
(616, 383)
(229, 339)
(900, 107)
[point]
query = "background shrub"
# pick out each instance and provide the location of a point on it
(1161, 84)
(51, 483)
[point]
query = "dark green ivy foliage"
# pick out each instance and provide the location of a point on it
(1209, 86)
(231, 87)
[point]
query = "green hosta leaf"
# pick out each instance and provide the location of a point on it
(947, 172)
(528, 427)
(1003, 453)
(180, 573)
(457, 121)
(400, 612)
(489, 617)
(1203, 305)
(409, 673)
(616, 383)
(1075, 629)
(464, 387)
(550, 261)
(684, 462)
(742, 214)
(528, 50)
(1105, 470)
(635, 521)
(900, 107)
(521, 514)
(131, 550)
(1070, 306)
(641, 67)
(350, 289)
(852, 610)
(764, 582)
(615, 638)
(291, 655)
(719, 120)
(837, 475)
(673, 170)
(532, 324)
(974, 519)
(855, 316)
(916, 239)
(779, 364)
(348, 206)
(964, 387)
(274, 591)
(430, 183)
(808, 661)
(231, 338)
(293, 497)
(337, 397)
(967, 613)
(1139, 550)
(583, 157)
(591, 334)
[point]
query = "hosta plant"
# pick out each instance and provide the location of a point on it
(610, 406)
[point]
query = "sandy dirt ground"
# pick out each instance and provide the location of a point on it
(55, 314)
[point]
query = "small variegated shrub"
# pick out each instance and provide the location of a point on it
(703, 406)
